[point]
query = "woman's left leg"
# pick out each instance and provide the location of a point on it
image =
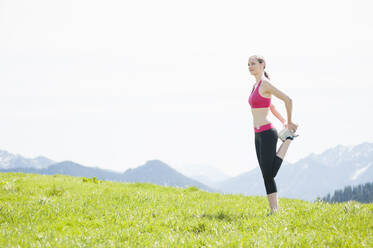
(273, 202)
(269, 164)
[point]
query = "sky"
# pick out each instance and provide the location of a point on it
(113, 84)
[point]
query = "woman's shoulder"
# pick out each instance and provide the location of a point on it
(268, 86)
(266, 83)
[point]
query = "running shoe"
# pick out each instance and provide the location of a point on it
(285, 134)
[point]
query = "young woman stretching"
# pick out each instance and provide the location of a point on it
(265, 134)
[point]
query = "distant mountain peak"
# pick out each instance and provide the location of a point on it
(155, 162)
(10, 160)
(158, 172)
(67, 163)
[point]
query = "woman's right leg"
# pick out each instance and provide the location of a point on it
(283, 149)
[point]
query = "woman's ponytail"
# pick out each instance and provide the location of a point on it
(266, 74)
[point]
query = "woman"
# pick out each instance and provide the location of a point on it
(265, 134)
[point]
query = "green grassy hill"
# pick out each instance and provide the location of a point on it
(63, 211)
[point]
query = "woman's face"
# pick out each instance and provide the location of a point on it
(255, 67)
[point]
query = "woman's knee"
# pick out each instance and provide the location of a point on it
(276, 165)
(270, 185)
(268, 178)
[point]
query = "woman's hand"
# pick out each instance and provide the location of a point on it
(292, 127)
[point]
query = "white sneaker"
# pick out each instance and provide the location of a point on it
(285, 134)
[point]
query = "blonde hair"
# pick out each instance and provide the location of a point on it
(261, 60)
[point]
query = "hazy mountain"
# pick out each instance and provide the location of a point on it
(71, 169)
(207, 175)
(157, 172)
(153, 171)
(313, 176)
(9, 161)
(74, 169)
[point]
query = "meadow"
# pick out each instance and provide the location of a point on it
(64, 211)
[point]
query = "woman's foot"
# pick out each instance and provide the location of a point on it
(291, 136)
(273, 212)
(286, 134)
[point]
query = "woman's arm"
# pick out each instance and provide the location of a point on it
(268, 87)
(277, 114)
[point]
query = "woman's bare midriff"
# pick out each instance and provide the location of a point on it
(260, 116)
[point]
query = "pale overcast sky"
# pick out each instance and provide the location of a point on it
(113, 84)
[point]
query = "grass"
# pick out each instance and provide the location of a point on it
(64, 211)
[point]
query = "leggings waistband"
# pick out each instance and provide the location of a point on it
(263, 128)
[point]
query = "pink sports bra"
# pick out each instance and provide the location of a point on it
(257, 101)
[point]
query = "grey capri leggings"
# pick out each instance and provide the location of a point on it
(269, 162)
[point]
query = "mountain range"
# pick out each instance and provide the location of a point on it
(313, 176)
(153, 171)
